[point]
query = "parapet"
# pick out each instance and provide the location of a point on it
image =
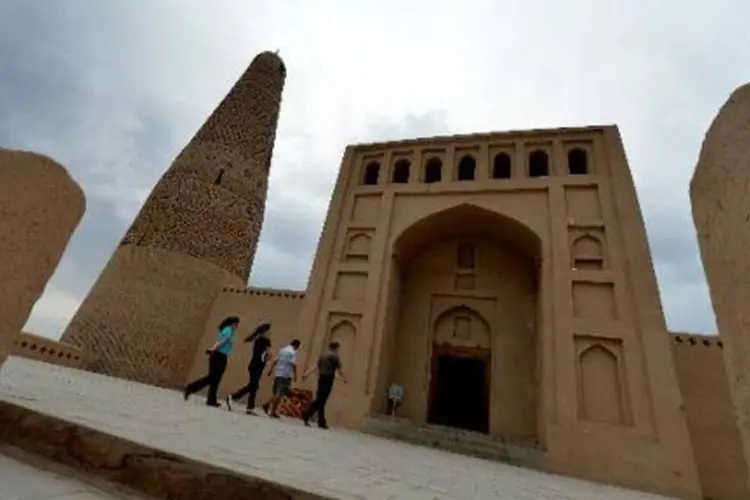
(696, 339)
(28, 345)
(267, 292)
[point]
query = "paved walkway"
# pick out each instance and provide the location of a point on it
(339, 464)
(21, 480)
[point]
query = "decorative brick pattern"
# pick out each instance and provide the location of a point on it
(195, 235)
(210, 203)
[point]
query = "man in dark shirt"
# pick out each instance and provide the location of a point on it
(329, 364)
(261, 346)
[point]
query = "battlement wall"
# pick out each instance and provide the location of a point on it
(696, 339)
(266, 292)
(28, 345)
(712, 424)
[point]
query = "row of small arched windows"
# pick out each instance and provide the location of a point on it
(538, 163)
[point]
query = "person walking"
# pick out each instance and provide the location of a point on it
(329, 364)
(261, 346)
(217, 362)
(285, 365)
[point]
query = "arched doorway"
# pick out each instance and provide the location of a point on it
(461, 368)
(463, 339)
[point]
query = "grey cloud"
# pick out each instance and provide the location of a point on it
(51, 103)
(111, 90)
(428, 124)
(292, 227)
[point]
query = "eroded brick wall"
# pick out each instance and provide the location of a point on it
(196, 233)
(712, 423)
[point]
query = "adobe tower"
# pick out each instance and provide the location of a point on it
(196, 233)
(721, 211)
(40, 208)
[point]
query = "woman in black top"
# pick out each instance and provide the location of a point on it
(261, 347)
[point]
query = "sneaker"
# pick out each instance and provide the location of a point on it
(228, 400)
(274, 415)
(215, 404)
(250, 411)
(322, 426)
(267, 408)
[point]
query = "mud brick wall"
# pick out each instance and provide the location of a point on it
(720, 197)
(712, 424)
(196, 234)
(40, 208)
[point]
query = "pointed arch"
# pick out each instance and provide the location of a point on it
(467, 218)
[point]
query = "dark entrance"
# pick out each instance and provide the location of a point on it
(459, 392)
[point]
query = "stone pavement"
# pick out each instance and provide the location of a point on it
(337, 464)
(24, 479)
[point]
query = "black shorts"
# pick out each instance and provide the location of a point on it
(282, 386)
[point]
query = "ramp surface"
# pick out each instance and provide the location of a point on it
(239, 451)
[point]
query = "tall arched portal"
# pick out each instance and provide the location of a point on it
(464, 341)
(522, 303)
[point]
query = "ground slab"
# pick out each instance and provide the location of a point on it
(149, 438)
(26, 477)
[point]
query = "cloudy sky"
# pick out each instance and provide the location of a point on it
(114, 89)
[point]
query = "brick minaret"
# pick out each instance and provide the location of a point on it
(197, 232)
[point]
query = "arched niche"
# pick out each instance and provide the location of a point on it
(371, 174)
(538, 163)
(344, 332)
(467, 168)
(502, 166)
(465, 256)
(588, 253)
(358, 245)
(462, 326)
(401, 171)
(578, 161)
(433, 170)
(601, 396)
